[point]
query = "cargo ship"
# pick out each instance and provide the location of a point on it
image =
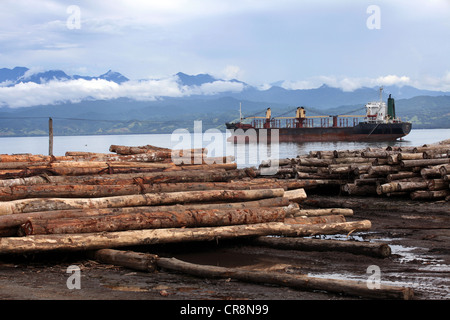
(380, 123)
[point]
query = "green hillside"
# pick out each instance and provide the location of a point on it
(123, 116)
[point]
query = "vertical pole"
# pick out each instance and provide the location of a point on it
(50, 136)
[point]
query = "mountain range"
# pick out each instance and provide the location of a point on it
(11, 77)
(163, 114)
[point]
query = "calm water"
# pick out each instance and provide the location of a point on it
(246, 155)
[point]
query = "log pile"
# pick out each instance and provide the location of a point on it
(83, 195)
(138, 196)
(422, 173)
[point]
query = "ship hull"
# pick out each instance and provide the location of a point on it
(360, 132)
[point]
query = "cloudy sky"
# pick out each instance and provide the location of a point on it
(346, 44)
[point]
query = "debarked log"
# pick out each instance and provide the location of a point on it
(383, 170)
(150, 262)
(397, 186)
(127, 150)
(315, 219)
(324, 212)
(104, 240)
(379, 250)
(153, 220)
(129, 259)
(148, 199)
(401, 175)
(303, 282)
(216, 175)
(93, 191)
(409, 156)
(295, 195)
(423, 163)
(10, 223)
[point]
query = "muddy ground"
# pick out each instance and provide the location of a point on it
(418, 233)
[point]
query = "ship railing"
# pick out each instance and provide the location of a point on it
(308, 122)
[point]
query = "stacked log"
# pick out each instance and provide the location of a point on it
(422, 173)
(84, 195)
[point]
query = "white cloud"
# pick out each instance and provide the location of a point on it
(54, 92)
(347, 83)
(231, 72)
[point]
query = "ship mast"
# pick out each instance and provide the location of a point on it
(240, 111)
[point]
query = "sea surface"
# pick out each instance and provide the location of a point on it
(215, 142)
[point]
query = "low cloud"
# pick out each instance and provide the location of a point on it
(347, 83)
(29, 94)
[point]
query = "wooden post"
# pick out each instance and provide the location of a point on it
(50, 136)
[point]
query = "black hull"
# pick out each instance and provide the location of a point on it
(360, 132)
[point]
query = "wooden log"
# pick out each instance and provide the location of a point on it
(393, 159)
(216, 175)
(423, 162)
(104, 240)
(295, 195)
(445, 169)
(401, 175)
(128, 259)
(378, 250)
(376, 154)
(153, 220)
(411, 186)
(77, 155)
(305, 169)
(399, 186)
(437, 184)
(383, 170)
(94, 191)
(21, 165)
(409, 156)
(275, 162)
(24, 181)
(323, 212)
(314, 162)
(14, 221)
(325, 154)
(430, 172)
(127, 150)
(387, 188)
(31, 158)
(346, 153)
(397, 194)
(436, 154)
(360, 169)
(351, 160)
(380, 161)
(219, 160)
(357, 288)
(353, 189)
(429, 195)
(369, 181)
(148, 199)
(315, 219)
(340, 170)
(430, 147)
